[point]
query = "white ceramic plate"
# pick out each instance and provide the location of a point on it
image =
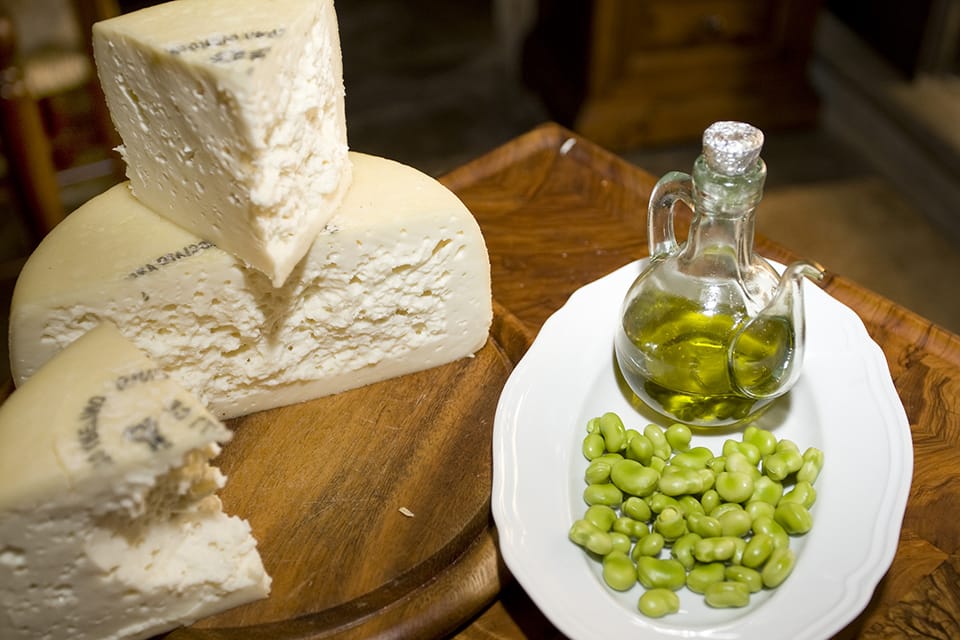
(845, 404)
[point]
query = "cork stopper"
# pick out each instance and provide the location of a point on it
(732, 148)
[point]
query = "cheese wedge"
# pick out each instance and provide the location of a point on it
(109, 522)
(231, 114)
(399, 281)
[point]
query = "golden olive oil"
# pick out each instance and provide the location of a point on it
(675, 354)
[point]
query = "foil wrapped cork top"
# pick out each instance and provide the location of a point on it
(732, 148)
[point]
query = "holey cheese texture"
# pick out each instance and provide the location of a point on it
(399, 281)
(109, 522)
(231, 114)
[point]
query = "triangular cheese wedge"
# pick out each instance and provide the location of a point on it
(109, 522)
(232, 120)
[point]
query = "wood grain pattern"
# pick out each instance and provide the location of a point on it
(558, 212)
(371, 507)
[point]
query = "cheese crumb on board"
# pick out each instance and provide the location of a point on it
(232, 119)
(398, 282)
(110, 526)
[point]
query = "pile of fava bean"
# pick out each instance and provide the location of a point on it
(667, 515)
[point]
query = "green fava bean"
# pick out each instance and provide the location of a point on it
(812, 465)
(682, 549)
(656, 603)
(749, 451)
(593, 425)
(633, 478)
(767, 490)
(658, 463)
(703, 575)
(787, 445)
(678, 436)
(670, 523)
(598, 471)
(657, 437)
(634, 529)
(612, 458)
(735, 522)
(660, 501)
(648, 546)
(780, 464)
(724, 508)
(618, 571)
(734, 486)
(746, 575)
(601, 516)
(613, 431)
(593, 446)
(717, 464)
(719, 549)
(758, 508)
(802, 493)
(695, 458)
(640, 448)
(770, 527)
(793, 517)
(605, 494)
(739, 463)
(707, 479)
(727, 594)
(636, 508)
(710, 500)
(740, 544)
(590, 537)
(620, 541)
(660, 573)
(688, 505)
(677, 481)
(763, 440)
(757, 551)
(778, 567)
(703, 525)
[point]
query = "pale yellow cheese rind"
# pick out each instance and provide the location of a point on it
(398, 281)
(57, 430)
(110, 527)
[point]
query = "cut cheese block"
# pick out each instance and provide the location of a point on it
(109, 522)
(399, 281)
(231, 114)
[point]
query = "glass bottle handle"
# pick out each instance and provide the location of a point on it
(672, 187)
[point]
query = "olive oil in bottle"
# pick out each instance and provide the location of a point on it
(677, 357)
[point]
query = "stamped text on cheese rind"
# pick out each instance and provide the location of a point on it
(170, 258)
(147, 432)
(182, 412)
(88, 434)
(215, 42)
(126, 381)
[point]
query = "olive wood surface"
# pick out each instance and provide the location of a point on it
(371, 507)
(558, 212)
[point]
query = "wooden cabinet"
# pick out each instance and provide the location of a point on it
(633, 72)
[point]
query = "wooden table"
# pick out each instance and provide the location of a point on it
(389, 535)
(558, 212)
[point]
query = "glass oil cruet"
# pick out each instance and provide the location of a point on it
(710, 334)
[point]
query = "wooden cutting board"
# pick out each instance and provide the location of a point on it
(371, 507)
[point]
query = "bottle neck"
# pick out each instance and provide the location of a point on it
(724, 207)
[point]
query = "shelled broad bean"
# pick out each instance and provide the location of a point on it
(667, 515)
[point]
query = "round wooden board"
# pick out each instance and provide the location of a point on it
(371, 507)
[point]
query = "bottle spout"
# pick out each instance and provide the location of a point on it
(766, 355)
